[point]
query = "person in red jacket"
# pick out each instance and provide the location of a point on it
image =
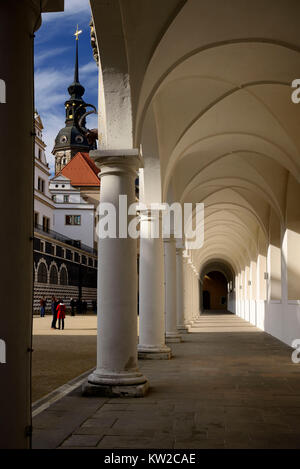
(61, 314)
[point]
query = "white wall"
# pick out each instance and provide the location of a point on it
(84, 232)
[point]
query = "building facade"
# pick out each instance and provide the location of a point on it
(65, 256)
(74, 217)
(43, 204)
(63, 270)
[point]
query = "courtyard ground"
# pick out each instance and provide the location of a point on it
(228, 385)
(60, 356)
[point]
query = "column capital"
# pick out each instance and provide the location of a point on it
(116, 161)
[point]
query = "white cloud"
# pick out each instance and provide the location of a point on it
(51, 87)
(87, 69)
(40, 57)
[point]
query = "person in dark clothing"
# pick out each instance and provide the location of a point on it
(72, 304)
(78, 306)
(84, 307)
(43, 303)
(54, 304)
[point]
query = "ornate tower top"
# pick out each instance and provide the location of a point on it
(69, 140)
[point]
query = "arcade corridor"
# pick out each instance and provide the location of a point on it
(228, 386)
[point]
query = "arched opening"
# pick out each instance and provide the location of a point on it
(206, 300)
(215, 291)
(53, 275)
(63, 276)
(42, 275)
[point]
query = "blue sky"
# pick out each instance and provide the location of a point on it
(54, 67)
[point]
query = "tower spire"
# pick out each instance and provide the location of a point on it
(69, 140)
(76, 72)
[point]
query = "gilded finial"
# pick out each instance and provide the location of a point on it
(77, 33)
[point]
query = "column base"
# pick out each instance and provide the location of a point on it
(154, 353)
(182, 329)
(115, 385)
(189, 324)
(172, 338)
(109, 390)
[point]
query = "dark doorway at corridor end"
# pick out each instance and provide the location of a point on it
(215, 291)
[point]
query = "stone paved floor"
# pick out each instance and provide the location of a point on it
(229, 385)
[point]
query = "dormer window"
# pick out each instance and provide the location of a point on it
(79, 139)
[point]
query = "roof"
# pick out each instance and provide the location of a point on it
(81, 171)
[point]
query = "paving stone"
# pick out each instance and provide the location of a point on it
(82, 441)
(223, 389)
(125, 442)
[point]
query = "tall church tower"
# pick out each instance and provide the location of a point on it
(69, 140)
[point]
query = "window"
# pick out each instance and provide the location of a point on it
(42, 276)
(79, 139)
(73, 219)
(46, 224)
(41, 185)
(54, 275)
(36, 219)
(66, 199)
(40, 153)
(63, 276)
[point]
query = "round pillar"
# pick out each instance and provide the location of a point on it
(180, 292)
(117, 373)
(172, 334)
(151, 291)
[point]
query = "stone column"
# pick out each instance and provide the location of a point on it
(117, 373)
(180, 292)
(172, 334)
(186, 292)
(197, 303)
(191, 292)
(151, 317)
